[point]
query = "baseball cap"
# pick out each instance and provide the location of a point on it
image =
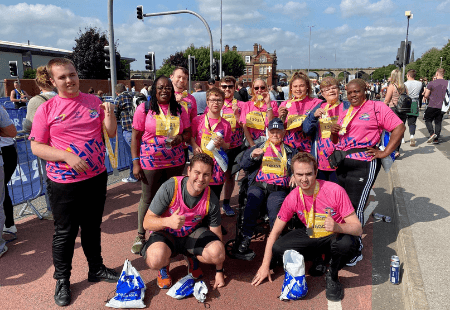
(276, 123)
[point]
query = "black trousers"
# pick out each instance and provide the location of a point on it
(340, 247)
(357, 178)
(9, 154)
(411, 123)
(436, 115)
(77, 205)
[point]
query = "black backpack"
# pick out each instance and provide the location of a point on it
(404, 102)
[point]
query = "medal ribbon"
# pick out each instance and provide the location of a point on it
(113, 156)
(289, 104)
(211, 128)
(259, 101)
(348, 118)
(166, 118)
(309, 216)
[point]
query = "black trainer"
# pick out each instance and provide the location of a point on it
(104, 274)
(242, 250)
(62, 292)
(334, 290)
(318, 267)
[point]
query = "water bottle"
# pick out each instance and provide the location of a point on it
(219, 154)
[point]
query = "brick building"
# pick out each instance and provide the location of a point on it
(258, 64)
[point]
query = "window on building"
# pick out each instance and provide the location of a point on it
(244, 80)
(265, 70)
(249, 80)
(245, 71)
(263, 59)
(261, 70)
(247, 59)
(249, 70)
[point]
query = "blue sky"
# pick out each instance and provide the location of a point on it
(362, 33)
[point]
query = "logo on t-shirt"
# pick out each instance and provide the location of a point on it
(93, 113)
(365, 117)
(197, 218)
(60, 118)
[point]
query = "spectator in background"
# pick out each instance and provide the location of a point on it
(241, 93)
(145, 90)
(91, 91)
(285, 89)
(414, 87)
(273, 93)
(211, 83)
(435, 92)
(124, 112)
(100, 95)
(19, 96)
(7, 130)
(200, 98)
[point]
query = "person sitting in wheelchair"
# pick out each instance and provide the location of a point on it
(268, 165)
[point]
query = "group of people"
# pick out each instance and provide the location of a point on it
(310, 158)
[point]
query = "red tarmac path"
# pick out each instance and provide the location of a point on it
(26, 270)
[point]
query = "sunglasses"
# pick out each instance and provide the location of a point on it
(227, 86)
(259, 87)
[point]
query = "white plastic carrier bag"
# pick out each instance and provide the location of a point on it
(294, 285)
(183, 288)
(389, 160)
(200, 291)
(130, 289)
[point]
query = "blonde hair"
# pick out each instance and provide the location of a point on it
(58, 62)
(43, 78)
(253, 91)
(299, 75)
(396, 78)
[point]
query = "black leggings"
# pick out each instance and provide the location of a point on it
(411, 123)
(9, 154)
(357, 178)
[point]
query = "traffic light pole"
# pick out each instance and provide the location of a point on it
(406, 48)
(112, 49)
(189, 68)
(204, 22)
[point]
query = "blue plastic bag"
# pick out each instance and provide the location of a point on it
(294, 285)
(183, 288)
(389, 160)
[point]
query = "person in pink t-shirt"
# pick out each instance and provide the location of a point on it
(330, 227)
(257, 113)
(294, 111)
(205, 128)
(156, 145)
(67, 133)
(356, 135)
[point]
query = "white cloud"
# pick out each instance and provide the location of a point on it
(342, 29)
(444, 6)
(164, 20)
(370, 31)
(232, 10)
(330, 10)
(364, 7)
(293, 9)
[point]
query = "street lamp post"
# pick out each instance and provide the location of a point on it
(441, 63)
(408, 16)
(220, 73)
(309, 49)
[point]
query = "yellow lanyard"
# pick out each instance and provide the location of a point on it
(331, 106)
(309, 216)
(113, 156)
(229, 104)
(289, 104)
(282, 157)
(166, 118)
(348, 118)
(211, 128)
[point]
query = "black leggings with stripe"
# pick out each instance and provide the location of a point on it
(357, 178)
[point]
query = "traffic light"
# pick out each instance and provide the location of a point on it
(400, 59)
(215, 67)
(193, 64)
(118, 63)
(139, 12)
(408, 52)
(107, 58)
(13, 69)
(150, 61)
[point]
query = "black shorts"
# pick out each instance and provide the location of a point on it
(232, 153)
(192, 244)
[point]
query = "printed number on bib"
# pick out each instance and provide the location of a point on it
(163, 130)
(325, 125)
(295, 121)
(319, 226)
(256, 120)
(231, 119)
(272, 165)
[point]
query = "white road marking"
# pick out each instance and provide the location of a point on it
(372, 192)
(334, 305)
(372, 205)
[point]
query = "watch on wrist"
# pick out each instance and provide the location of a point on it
(219, 270)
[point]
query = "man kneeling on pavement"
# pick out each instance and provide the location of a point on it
(331, 227)
(269, 167)
(177, 217)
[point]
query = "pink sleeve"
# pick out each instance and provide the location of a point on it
(388, 120)
(184, 120)
(194, 127)
(286, 212)
(274, 105)
(40, 130)
(139, 118)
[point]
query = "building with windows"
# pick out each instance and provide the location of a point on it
(258, 64)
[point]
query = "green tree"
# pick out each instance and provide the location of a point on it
(445, 54)
(169, 64)
(124, 70)
(430, 63)
(88, 54)
(202, 56)
(29, 74)
(233, 64)
(383, 72)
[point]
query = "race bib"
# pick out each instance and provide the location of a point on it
(163, 130)
(325, 125)
(256, 120)
(319, 226)
(231, 119)
(206, 137)
(295, 121)
(272, 165)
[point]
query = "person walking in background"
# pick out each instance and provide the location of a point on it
(144, 90)
(413, 87)
(67, 132)
(124, 111)
(435, 93)
(19, 96)
(200, 98)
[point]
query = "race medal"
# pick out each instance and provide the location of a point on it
(112, 155)
(294, 121)
(231, 119)
(256, 120)
(272, 165)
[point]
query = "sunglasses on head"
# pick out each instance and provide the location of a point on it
(259, 87)
(227, 86)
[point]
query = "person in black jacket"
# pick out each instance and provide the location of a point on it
(241, 92)
(268, 165)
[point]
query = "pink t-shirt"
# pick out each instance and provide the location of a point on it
(246, 110)
(199, 128)
(237, 135)
(366, 127)
(325, 146)
(331, 198)
(272, 178)
(154, 154)
(191, 104)
(74, 125)
(295, 137)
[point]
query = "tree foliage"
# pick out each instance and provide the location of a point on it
(29, 74)
(170, 63)
(430, 61)
(383, 72)
(233, 64)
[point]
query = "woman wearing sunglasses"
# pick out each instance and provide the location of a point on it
(294, 111)
(257, 113)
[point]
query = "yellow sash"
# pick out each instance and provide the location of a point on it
(183, 103)
(276, 165)
(314, 221)
(348, 118)
(167, 125)
(208, 135)
(113, 156)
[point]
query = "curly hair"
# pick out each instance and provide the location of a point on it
(203, 158)
(299, 75)
(216, 91)
(43, 78)
(174, 106)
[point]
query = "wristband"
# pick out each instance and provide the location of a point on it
(269, 109)
(135, 158)
(219, 270)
